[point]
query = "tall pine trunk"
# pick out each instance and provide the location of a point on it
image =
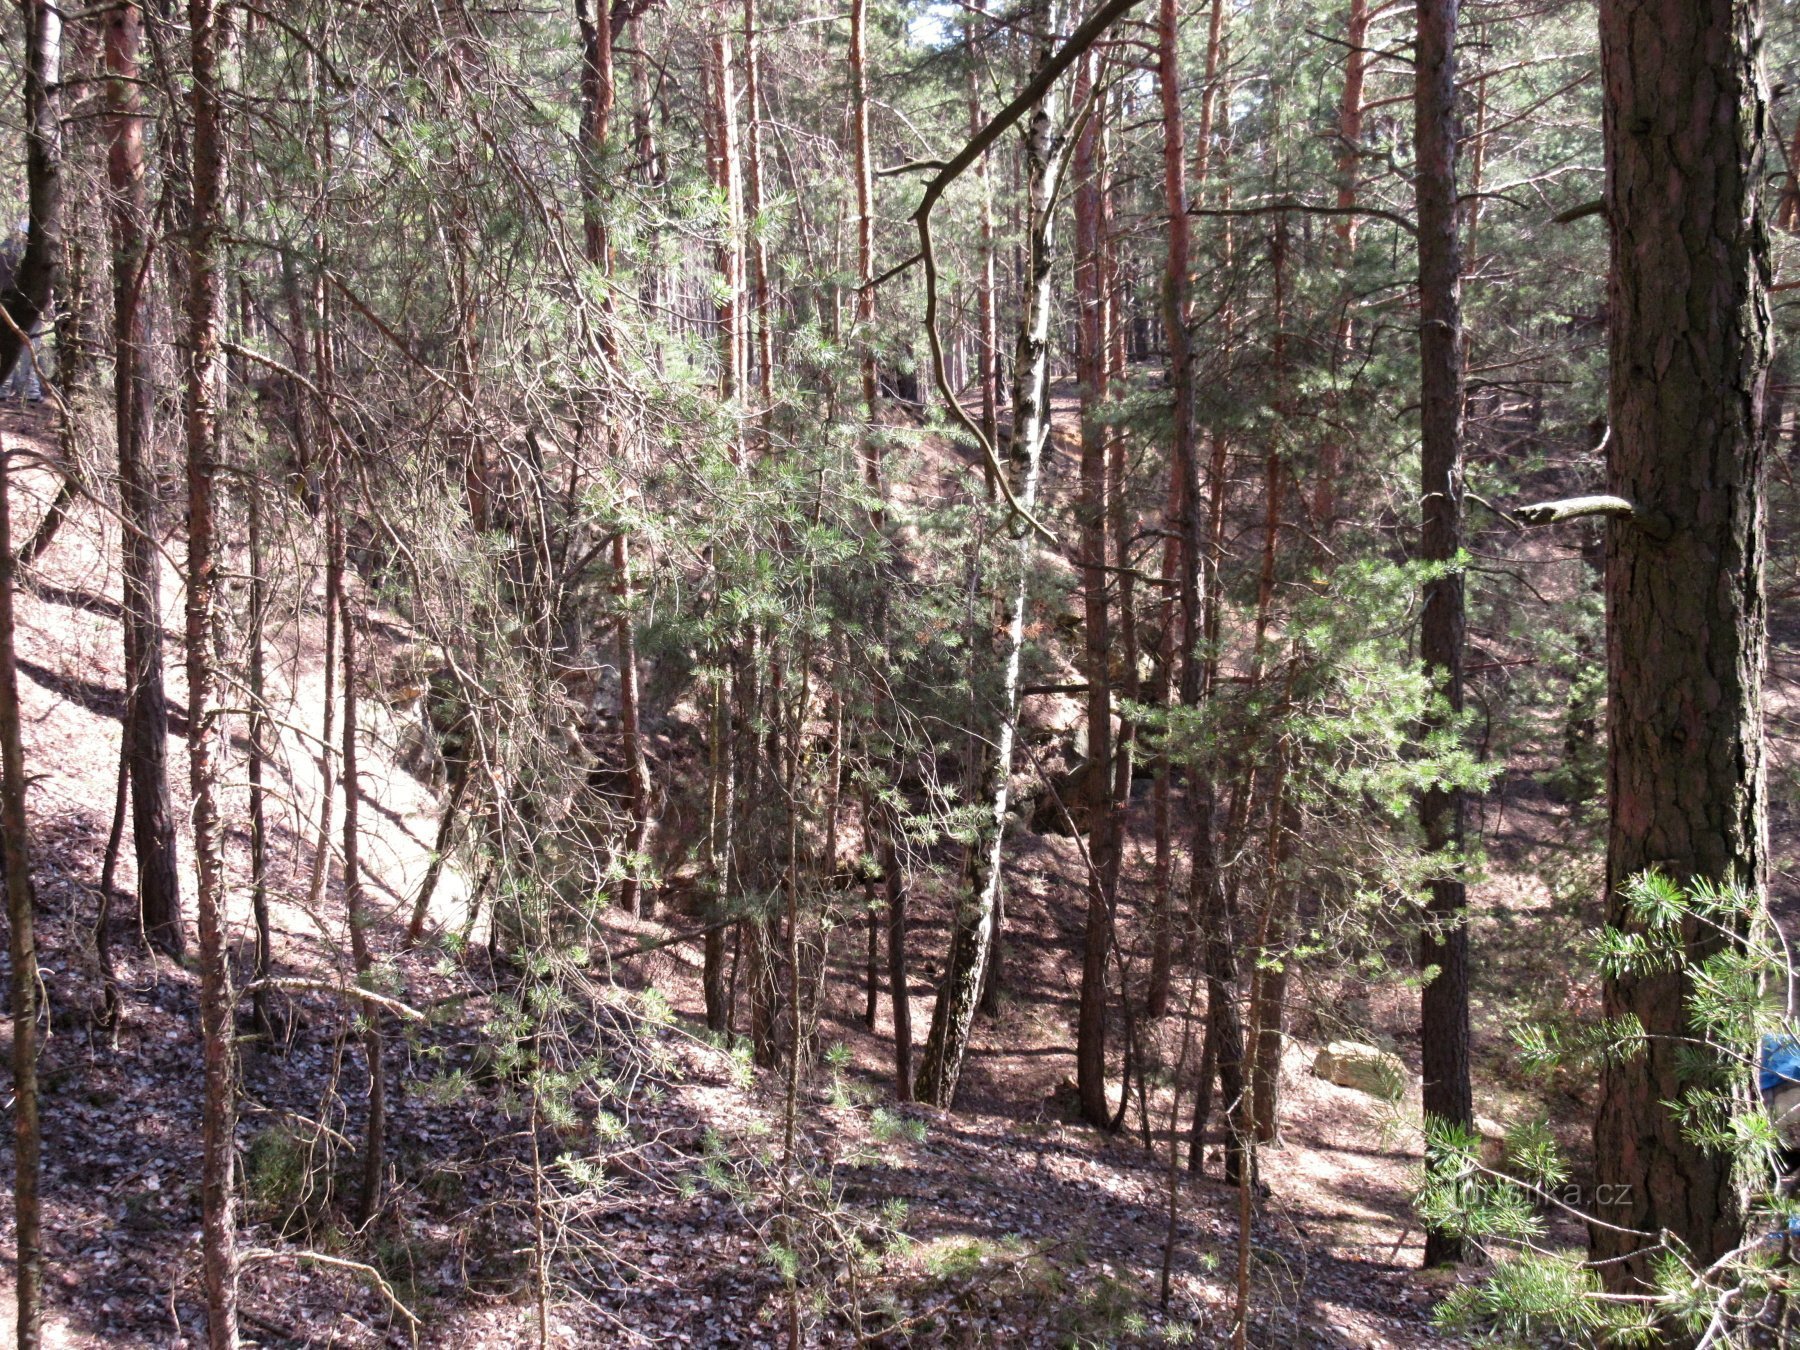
(205, 370)
(1685, 612)
(146, 729)
(1444, 942)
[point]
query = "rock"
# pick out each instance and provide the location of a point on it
(1363, 1067)
(1784, 1112)
(1074, 796)
(1493, 1141)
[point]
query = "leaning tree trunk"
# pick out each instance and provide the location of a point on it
(1090, 1024)
(205, 308)
(146, 728)
(1685, 620)
(1444, 942)
(972, 933)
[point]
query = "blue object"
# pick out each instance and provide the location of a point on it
(1780, 1064)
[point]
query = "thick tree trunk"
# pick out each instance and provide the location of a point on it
(972, 932)
(146, 729)
(1685, 613)
(1444, 942)
(1090, 299)
(205, 372)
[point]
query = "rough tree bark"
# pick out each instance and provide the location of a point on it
(1444, 941)
(146, 730)
(204, 376)
(1684, 102)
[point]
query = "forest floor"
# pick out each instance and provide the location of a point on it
(1021, 1226)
